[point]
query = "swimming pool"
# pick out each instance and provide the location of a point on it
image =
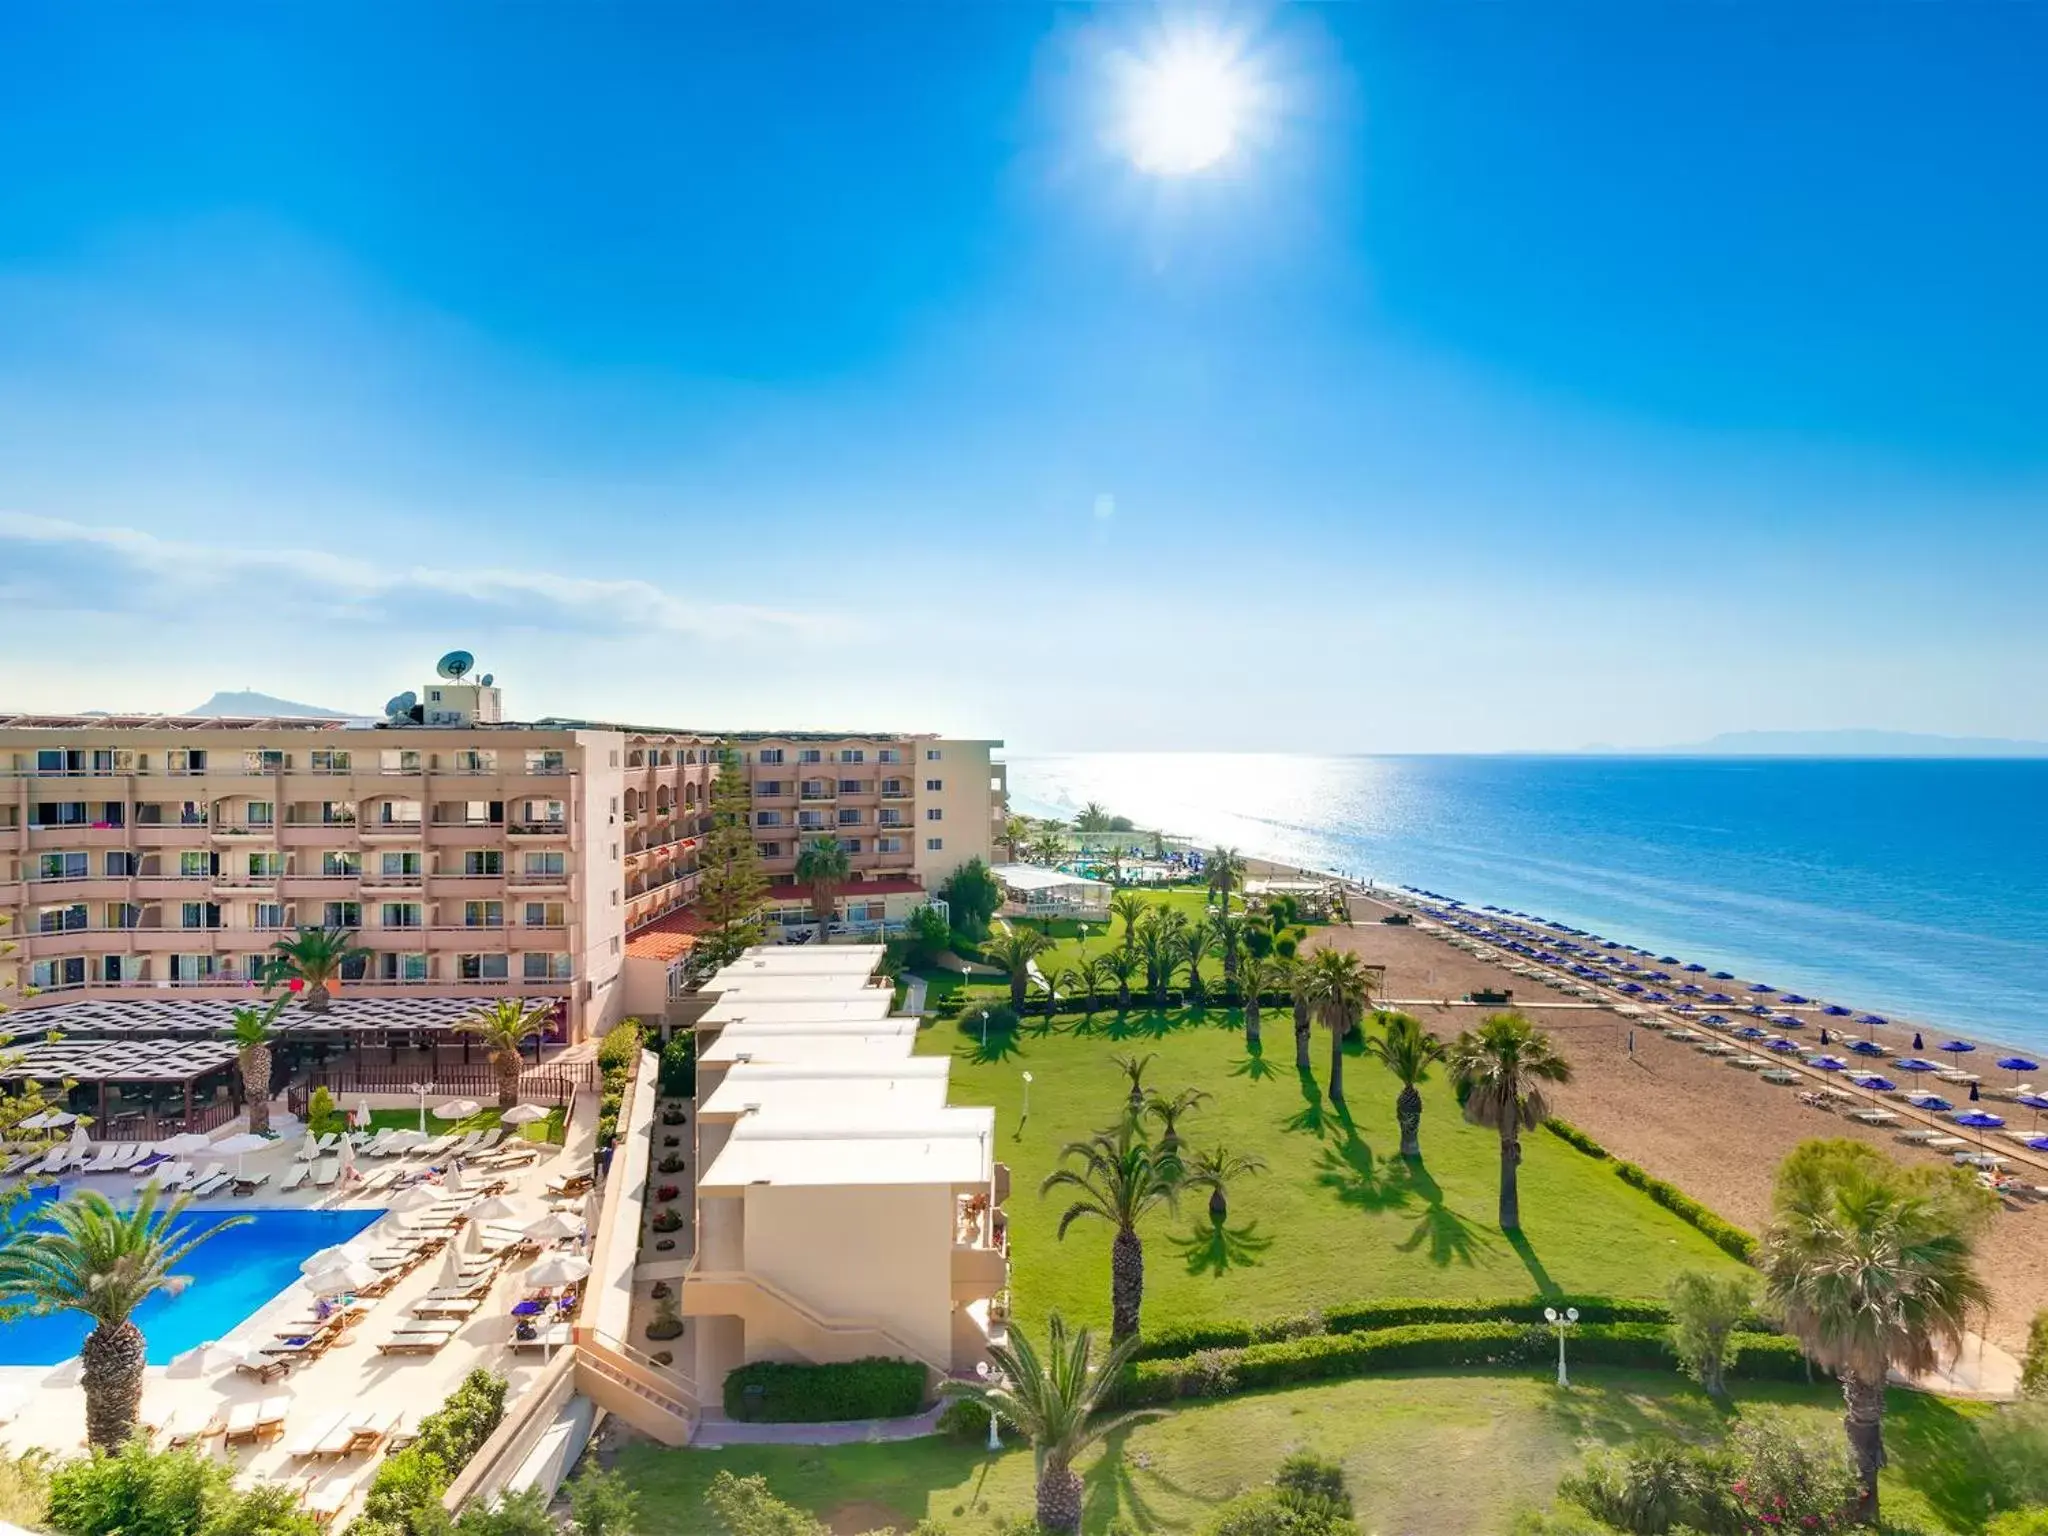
(232, 1273)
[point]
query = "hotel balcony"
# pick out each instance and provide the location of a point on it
(97, 834)
(384, 882)
(536, 829)
(390, 831)
(523, 881)
(169, 834)
(467, 834)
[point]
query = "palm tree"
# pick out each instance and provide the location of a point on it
(1499, 1065)
(1168, 1113)
(1339, 991)
(1098, 975)
(1131, 907)
(1194, 949)
(1016, 832)
(1094, 817)
(252, 1035)
(1055, 1400)
(1067, 981)
(504, 1026)
(1294, 977)
(1254, 975)
(823, 865)
(1407, 1050)
(316, 957)
(1227, 928)
(1154, 945)
(1225, 869)
(1050, 846)
(1133, 1068)
(86, 1256)
(1013, 950)
(1121, 964)
(1119, 1180)
(1872, 1270)
(1215, 1169)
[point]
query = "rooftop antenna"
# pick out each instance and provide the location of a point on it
(487, 680)
(399, 707)
(456, 665)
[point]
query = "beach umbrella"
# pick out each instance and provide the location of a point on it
(328, 1258)
(1866, 1048)
(1782, 1045)
(1697, 969)
(240, 1145)
(1828, 1063)
(1930, 1101)
(340, 1279)
(405, 1141)
(1955, 1047)
(1915, 1065)
(309, 1149)
(1758, 986)
(1978, 1120)
(2034, 1101)
(418, 1198)
(1871, 1018)
(451, 1182)
(362, 1114)
(523, 1114)
(554, 1226)
(555, 1269)
(184, 1144)
(1724, 975)
(497, 1208)
(2036, 1143)
(1794, 997)
(202, 1360)
(2017, 1065)
(48, 1120)
(451, 1266)
(1877, 1084)
(1751, 1032)
(347, 1154)
(456, 1109)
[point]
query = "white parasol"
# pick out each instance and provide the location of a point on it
(496, 1208)
(184, 1144)
(48, 1120)
(420, 1197)
(553, 1226)
(238, 1146)
(523, 1114)
(556, 1269)
(456, 1109)
(343, 1277)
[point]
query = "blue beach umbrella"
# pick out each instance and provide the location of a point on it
(1782, 1045)
(1877, 1084)
(1827, 1063)
(1762, 987)
(1955, 1047)
(1751, 1032)
(1915, 1065)
(1835, 1011)
(2034, 1101)
(1872, 1018)
(1867, 1048)
(1715, 1018)
(2018, 1064)
(1724, 975)
(1978, 1120)
(1929, 1101)
(2036, 1143)
(1697, 969)
(1794, 997)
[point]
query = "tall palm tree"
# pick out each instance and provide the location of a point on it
(504, 1026)
(823, 865)
(1294, 977)
(1012, 950)
(253, 1036)
(1872, 1271)
(1339, 991)
(1155, 945)
(1094, 817)
(1016, 832)
(1254, 975)
(1501, 1066)
(1227, 928)
(1131, 908)
(1133, 1066)
(1408, 1051)
(1194, 949)
(1098, 975)
(1225, 869)
(1068, 982)
(1122, 964)
(316, 957)
(1215, 1170)
(1056, 1400)
(89, 1257)
(1120, 1178)
(1050, 846)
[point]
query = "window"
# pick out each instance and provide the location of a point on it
(61, 919)
(123, 914)
(935, 814)
(810, 755)
(546, 863)
(328, 761)
(196, 865)
(400, 914)
(849, 817)
(398, 813)
(113, 970)
(768, 818)
(615, 896)
(191, 814)
(261, 813)
(895, 787)
(769, 850)
(816, 789)
(63, 866)
(61, 813)
(192, 967)
(483, 967)
(615, 805)
(337, 813)
(483, 861)
(850, 844)
(476, 762)
(341, 914)
(545, 967)
(769, 788)
(401, 866)
(46, 975)
(399, 760)
(543, 762)
(889, 755)
(891, 818)
(545, 914)
(931, 754)
(852, 755)
(341, 866)
(810, 820)
(199, 914)
(888, 845)
(934, 786)
(849, 786)
(186, 762)
(771, 757)
(402, 967)
(615, 757)
(934, 844)
(268, 914)
(263, 761)
(536, 813)
(265, 866)
(483, 914)
(55, 760)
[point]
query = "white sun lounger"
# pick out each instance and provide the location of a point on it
(374, 1145)
(554, 1336)
(56, 1160)
(294, 1176)
(490, 1139)
(438, 1145)
(190, 1422)
(105, 1160)
(326, 1172)
(208, 1181)
(429, 1306)
(372, 1427)
(309, 1443)
(167, 1179)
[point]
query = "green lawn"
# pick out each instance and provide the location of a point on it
(549, 1129)
(1452, 1453)
(1339, 1216)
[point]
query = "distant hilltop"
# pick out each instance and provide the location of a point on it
(243, 702)
(1854, 743)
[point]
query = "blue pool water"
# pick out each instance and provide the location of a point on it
(233, 1273)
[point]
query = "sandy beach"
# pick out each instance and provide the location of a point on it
(1716, 1132)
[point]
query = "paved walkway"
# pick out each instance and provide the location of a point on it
(1980, 1369)
(715, 1432)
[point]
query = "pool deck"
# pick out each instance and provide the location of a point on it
(43, 1406)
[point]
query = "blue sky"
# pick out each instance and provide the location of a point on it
(1523, 378)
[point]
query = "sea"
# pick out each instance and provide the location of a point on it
(1915, 888)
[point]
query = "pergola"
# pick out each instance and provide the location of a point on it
(102, 1068)
(1035, 891)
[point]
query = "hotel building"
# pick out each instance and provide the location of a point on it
(475, 856)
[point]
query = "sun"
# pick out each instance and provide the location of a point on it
(1185, 107)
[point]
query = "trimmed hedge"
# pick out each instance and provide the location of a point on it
(1724, 1234)
(404, 1498)
(773, 1392)
(1433, 1346)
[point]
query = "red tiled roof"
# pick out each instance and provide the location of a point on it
(791, 891)
(668, 937)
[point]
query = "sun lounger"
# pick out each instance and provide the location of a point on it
(241, 1422)
(315, 1149)
(374, 1146)
(554, 1336)
(313, 1442)
(371, 1429)
(428, 1306)
(471, 1292)
(1873, 1116)
(270, 1417)
(294, 1176)
(438, 1146)
(56, 1160)
(191, 1423)
(104, 1160)
(326, 1172)
(20, 1161)
(490, 1139)
(269, 1370)
(249, 1186)
(410, 1343)
(167, 1179)
(325, 1500)
(211, 1183)
(378, 1181)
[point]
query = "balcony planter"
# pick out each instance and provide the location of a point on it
(669, 1164)
(667, 1192)
(667, 1220)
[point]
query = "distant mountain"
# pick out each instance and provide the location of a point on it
(244, 702)
(1856, 744)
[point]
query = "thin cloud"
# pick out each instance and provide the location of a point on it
(53, 563)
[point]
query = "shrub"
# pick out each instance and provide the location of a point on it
(773, 1392)
(603, 1504)
(1725, 1235)
(1571, 1135)
(925, 938)
(322, 1118)
(1654, 1485)
(2034, 1371)
(510, 1514)
(165, 1493)
(1002, 1020)
(2016, 1450)
(2021, 1522)
(620, 1047)
(1265, 1512)
(677, 1077)
(405, 1496)
(743, 1506)
(1705, 1312)
(963, 1420)
(1788, 1477)
(24, 1488)
(667, 1192)
(1306, 1478)
(667, 1219)
(672, 1163)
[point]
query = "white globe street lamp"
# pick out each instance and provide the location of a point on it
(995, 1440)
(1562, 1322)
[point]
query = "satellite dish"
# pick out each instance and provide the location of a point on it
(455, 664)
(487, 680)
(400, 706)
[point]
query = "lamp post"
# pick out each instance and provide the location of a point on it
(1562, 1322)
(1027, 1098)
(984, 1029)
(995, 1440)
(423, 1089)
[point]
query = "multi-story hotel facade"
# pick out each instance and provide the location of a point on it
(474, 856)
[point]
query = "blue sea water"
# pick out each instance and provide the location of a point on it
(1917, 888)
(233, 1273)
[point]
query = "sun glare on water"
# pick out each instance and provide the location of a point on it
(1185, 107)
